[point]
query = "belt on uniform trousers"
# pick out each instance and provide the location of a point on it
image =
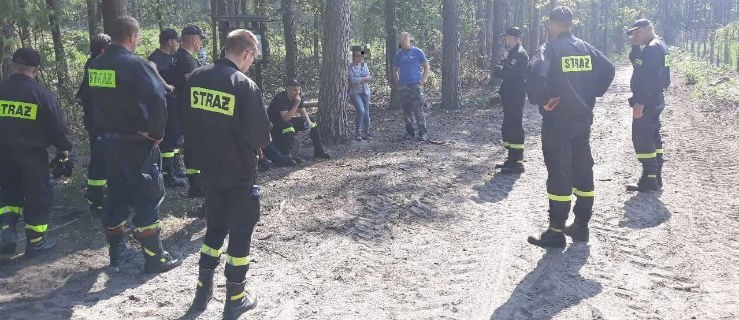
(123, 137)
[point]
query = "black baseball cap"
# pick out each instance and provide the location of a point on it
(193, 30)
(293, 83)
(638, 24)
(27, 57)
(168, 34)
(561, 14)
(512, 31)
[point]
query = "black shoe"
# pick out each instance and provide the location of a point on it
(357, 137)
(196, 188)
(320, 153)
(410, 136)
(8, 239)
(118, 251)
(549, 239)
(423, 137)
(156, 259)
(367, 137)
(238, 301)
(172, 181)
(511, 167)
(296, 160)
(40, 246)
(204, 289)
(578, 231)
(644, 184)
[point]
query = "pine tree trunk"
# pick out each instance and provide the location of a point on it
(333, 79)
(56, 34)
(291, 44)
(499, 25)
(7, 36)
(92, 22)
(450, 84)
(391, 48)
(112, 9)
(534, 28)
(481, 32)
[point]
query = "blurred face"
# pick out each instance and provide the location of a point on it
(510, 41)
(174, 45)
(293, 91)
(357, 57)
(134, 41)
(197, 43)
(248, 57)
(405, 41)
(640, 36)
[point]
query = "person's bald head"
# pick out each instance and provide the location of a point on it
(241, 47)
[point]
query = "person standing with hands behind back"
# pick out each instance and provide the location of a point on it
(411, 69)
(359, 92)
(565, 77)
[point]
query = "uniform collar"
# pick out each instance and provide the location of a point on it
(566, 34)
(21, 77)
(515, 48)
(228, 63)
(113, 47)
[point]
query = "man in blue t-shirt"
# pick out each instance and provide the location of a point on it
(411, 68)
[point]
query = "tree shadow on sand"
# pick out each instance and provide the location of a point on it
(555, 285)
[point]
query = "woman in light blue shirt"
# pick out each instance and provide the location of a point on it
(359, 93)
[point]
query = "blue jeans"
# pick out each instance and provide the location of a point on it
(361, 103)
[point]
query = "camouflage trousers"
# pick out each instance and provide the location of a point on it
(411, 99)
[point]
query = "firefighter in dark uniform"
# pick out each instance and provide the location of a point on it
(30, 121)
(512, 70)
(226, 125)
(288, 116)
(651, 60)
(96, 181)
(565, 77)
(162, 59)
(130, 114)
(185, 63)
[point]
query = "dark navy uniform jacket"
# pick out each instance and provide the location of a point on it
(513, 70)
(651, 73)
(30, 116)
(225, 120)
(126, 94)
(572, 69)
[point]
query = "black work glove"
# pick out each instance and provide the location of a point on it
(61, 165)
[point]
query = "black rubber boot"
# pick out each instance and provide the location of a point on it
(552, 238)
(171, 180)
(95, 196)
(318, 150)
(646, 183)
(156, 259)
(204, 289)
(118, 251)
(8, 238)
(179, 165)
(238, 301)
(38, 243)
(196, 188)
(578, 231)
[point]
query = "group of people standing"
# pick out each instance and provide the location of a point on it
(141, 115)
(564, 79)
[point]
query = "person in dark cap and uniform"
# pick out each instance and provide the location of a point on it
(162, 60)
(512, 70)
(288, 116)
(650, 58)
(565, 77)
(30, 121)
(185, 63)
(96, 181)
(226, 125)
(130, 112)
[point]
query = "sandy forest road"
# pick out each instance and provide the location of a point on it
(401, 230)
